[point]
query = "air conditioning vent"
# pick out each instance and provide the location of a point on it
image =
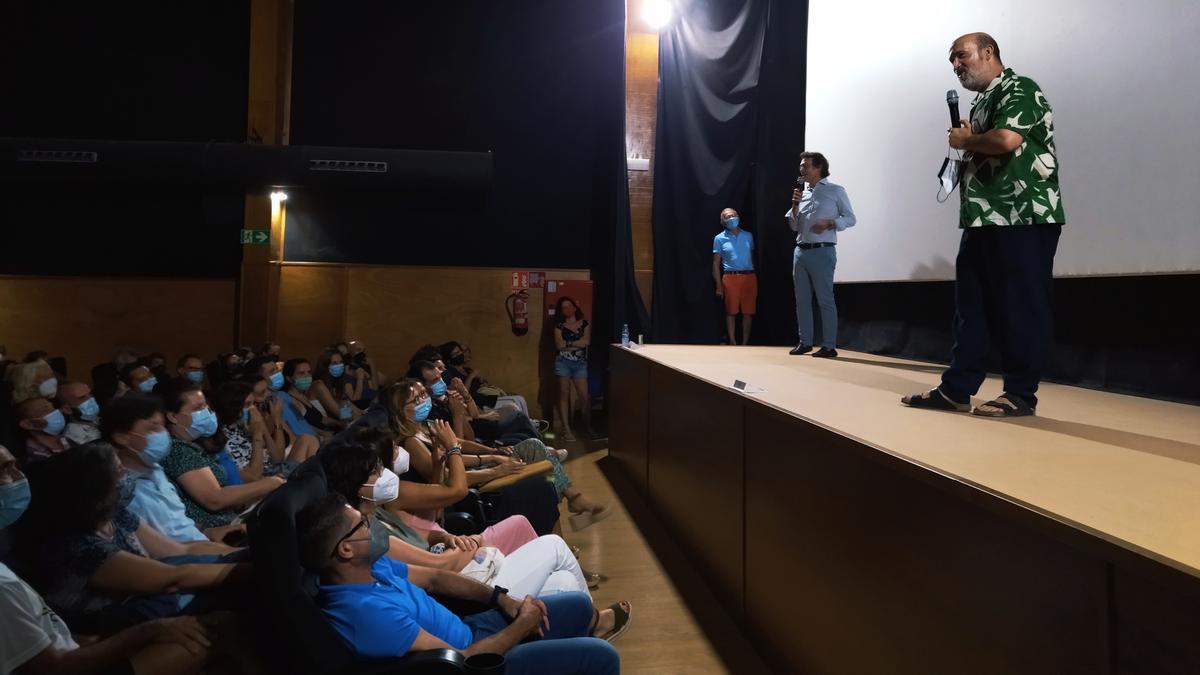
(68, 156)
(350, 165)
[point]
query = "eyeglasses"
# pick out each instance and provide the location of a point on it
(346, 537)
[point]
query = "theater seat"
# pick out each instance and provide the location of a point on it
(300, 640)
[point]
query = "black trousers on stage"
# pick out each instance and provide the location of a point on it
(1003, 293)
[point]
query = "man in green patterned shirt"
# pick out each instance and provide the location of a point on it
(1011, 214)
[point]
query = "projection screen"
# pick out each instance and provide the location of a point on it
(1122, 79)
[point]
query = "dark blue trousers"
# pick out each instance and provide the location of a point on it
(1003, 296)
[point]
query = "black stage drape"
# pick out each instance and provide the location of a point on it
(730, 127)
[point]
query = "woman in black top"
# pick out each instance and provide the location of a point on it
(572, 335)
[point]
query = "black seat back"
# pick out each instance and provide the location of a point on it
(300, 638)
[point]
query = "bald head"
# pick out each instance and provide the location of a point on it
(975, 58)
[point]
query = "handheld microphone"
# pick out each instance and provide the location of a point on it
(952, 104)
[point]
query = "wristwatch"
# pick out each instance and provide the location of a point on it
(494, 603)
(455, 450)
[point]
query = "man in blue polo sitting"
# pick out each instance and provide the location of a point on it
(381, 609)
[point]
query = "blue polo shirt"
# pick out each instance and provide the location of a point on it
(384, 618)
(735, 250)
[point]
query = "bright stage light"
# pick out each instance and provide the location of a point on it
(279, 196)
(656, 13)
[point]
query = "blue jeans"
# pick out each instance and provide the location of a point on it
(565, 648)
(812, 271)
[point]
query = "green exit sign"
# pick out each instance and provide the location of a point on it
(256, 237)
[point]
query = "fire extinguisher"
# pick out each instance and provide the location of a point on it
(517, 306)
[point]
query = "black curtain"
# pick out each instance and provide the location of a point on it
(537, 82)
(129, 71)
(730, 127)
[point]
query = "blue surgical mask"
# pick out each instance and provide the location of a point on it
(337, 369)
(276, 381)
(204, 424)
(147, 386)
(303, 383)
(158, 446)
(55, 423)
(438, 388)
(14, 499)
(732, 223)
(245, 417)
(196, 376)
(48, 388)
(89, 410)
(421, 412)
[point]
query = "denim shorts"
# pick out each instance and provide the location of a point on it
(575, 370)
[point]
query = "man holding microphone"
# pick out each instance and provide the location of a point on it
(818, 213)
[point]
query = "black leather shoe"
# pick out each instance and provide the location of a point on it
(801, 349)
(825, 353)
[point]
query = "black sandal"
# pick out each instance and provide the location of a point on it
(622, 613)
(934, 399)
(1006, 405)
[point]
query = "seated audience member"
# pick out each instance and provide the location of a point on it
(507, 535)
(381, 608)
(135, 427)
(284, 443)
(406, 407)
(34, 640)
(138, 378)
(157, 363)
(82, 411)
(106, 375)
(30, 380)
(270, 350)
(362, 381)
(508, 427)
(43, 426)
(253, 450)
(204, 484)
(227, 366)
(94, 561)
(191, 367)
(303, 414)
(329, 387)
(543, 566)
(490, 466)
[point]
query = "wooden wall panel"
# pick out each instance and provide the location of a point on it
(694, 477)
(1157, 626)
(86, 319)
(853, 566)
(312, 309)
(395, 310)
(629, 409)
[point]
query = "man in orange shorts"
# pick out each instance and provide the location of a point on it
(733, 272)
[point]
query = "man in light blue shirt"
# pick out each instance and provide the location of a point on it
(134, 426)
(817, 214)
(733, 272)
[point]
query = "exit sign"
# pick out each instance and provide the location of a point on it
(256, 237)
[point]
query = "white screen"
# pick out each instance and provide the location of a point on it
(1123, 81)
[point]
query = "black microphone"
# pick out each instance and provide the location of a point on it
(952, 104)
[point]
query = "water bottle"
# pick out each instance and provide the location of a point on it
(625, 335)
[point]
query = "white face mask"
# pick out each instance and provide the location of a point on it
(48, 388)
(401, 464)
(386, 488)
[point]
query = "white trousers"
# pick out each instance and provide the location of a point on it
(544, 566)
